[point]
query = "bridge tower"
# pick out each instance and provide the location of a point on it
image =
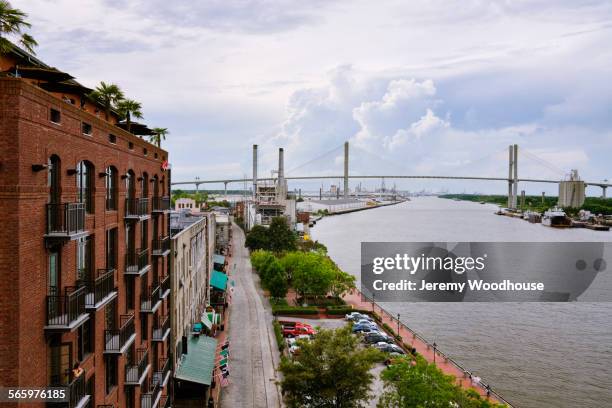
(346, 169)
(512, 175)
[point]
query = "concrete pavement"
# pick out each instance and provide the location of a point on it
(253, 350)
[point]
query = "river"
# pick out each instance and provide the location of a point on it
(547, 355)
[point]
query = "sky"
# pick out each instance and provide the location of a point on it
(420, 87)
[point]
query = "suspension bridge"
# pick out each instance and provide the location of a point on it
(512, 177)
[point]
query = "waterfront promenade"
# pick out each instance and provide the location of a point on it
(358, 301)
(254, 354)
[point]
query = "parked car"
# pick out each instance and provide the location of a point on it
(365, 328)
(295, 329)
(376, 337)
(389, 348)
(356, 316)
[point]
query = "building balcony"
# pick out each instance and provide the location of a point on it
(161, 246)
(77, 396)
(66, 312)
(117, 341)
(137, 262)
(65, 222)
(136, 372)
(152, 397)
(164, 286)
(100, 290)
(150, 300)
(161, 204)
(137, 209)
(161, 375)
(161, 328)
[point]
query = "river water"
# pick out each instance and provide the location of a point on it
(534, 354)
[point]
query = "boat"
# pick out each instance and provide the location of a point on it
(556, 217)
(532, 216)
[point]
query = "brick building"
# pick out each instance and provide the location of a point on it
(84, 245)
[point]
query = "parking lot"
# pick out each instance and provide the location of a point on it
(377, 385)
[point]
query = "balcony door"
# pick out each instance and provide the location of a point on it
(60, 363)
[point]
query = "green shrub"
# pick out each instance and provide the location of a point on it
(278, 332)
(294, 310)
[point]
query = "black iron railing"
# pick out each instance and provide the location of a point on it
(161, 324)
(76, 391)
(161, 245)
(135, 369)
(115, 339)
(165, 285)
(161, 371)
(136, 260)
(65, 218)
(100, 287)
(150, 298)
(136, 207)
(161, 203)
(148, 399)
(62, 310)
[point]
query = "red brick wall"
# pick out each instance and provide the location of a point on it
(27, 137)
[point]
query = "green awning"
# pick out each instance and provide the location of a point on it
(218, 280)
(206, 320)
(218, 259)
(198, 364)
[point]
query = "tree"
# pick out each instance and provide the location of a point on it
(311, 273)
(107, 95)
(330, 371)
(282, 238)
(158, 135)
(417, 383)
(128, 108)
(12, 23)
(257, 238)
(342, 282)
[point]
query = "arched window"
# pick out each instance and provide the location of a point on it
(130, 186)
(84, 182)
(144, 185)
(111, 188)
(155, 186)
(53, 179)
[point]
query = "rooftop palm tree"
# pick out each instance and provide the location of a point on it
(158, 135)
(108, 95)
(129, 108)
(12, 23)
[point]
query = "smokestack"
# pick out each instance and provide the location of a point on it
(281, 173)
(281, 163)
(254, 171)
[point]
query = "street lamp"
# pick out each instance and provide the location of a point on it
(434, 347)
(398, 324)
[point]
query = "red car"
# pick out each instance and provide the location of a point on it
(294, 329)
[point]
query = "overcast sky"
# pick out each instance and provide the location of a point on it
(417, 87)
